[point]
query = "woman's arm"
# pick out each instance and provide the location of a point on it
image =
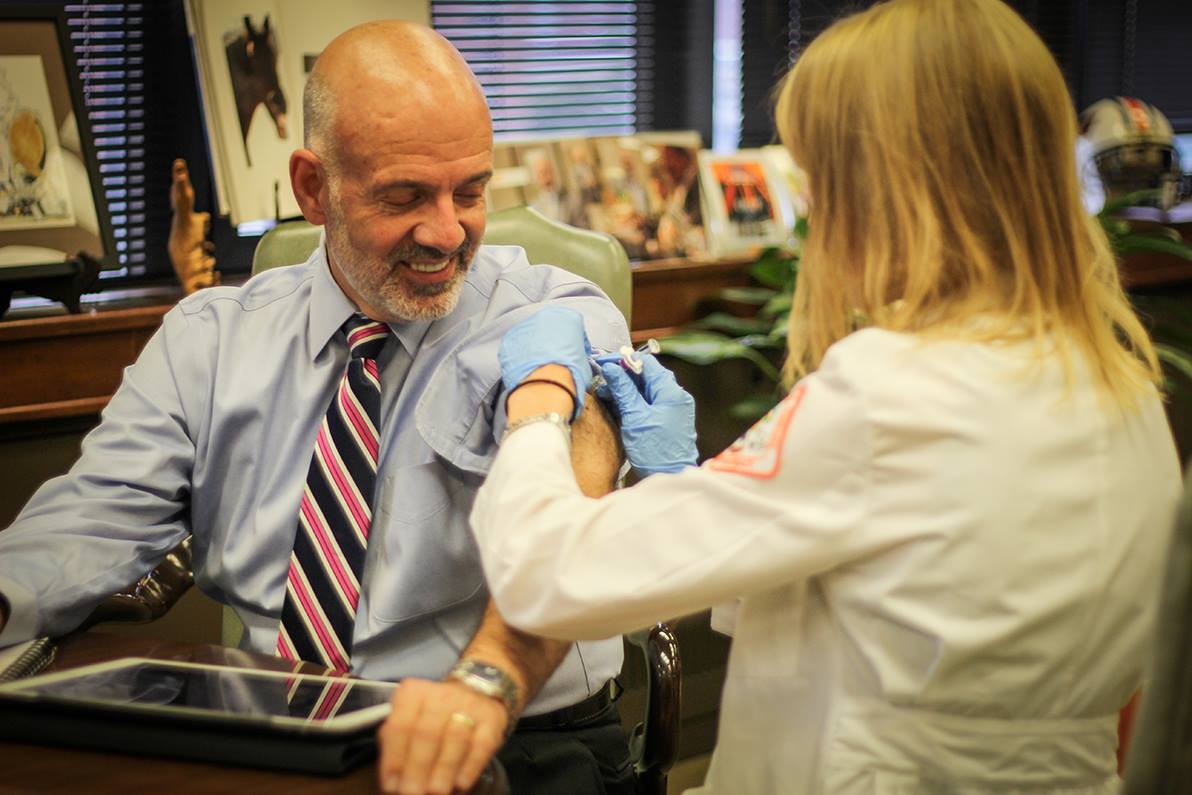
(562, 565)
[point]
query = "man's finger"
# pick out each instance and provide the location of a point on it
(486, 741)
(457, 739)
(426, 737)
(394, 737)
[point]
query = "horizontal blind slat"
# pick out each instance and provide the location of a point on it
(108, 43)
(554, 67)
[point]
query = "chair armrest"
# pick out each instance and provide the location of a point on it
(654, 744)
(151, 596)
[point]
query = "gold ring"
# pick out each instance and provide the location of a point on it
(464, 718)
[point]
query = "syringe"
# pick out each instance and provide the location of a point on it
(628, 357)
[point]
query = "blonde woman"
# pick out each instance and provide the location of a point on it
(948, 536)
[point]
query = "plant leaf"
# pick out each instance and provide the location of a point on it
(1138, 197)
(773, 269)
(1138, 241)
(755, 296)
(766, 341)
(801, 228)
(752, 408)
(777, 305)
(1176, 358)
(705, 347)
(731, 324)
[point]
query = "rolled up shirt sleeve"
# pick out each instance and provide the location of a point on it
(120, 508)
(565, 566)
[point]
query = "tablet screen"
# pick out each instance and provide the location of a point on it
(210, 689)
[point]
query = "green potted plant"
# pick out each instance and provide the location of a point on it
(756, 333)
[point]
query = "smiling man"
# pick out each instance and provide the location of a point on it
(322, 430)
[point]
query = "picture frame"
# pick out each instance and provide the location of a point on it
(642, 189)
(748, 206)
(54, 222)
(252, 60)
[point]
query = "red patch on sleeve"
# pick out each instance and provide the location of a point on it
(758, 453)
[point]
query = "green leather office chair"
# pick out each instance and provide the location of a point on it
(597, 257)
(288, 243)
(1159, 761)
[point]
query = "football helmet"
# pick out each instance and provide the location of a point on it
(1133, 148)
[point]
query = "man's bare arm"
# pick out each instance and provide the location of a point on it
(426, 747)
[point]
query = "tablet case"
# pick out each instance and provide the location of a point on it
(209, 740)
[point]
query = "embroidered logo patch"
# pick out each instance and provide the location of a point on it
(758, 453)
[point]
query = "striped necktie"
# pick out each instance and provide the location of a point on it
(323, 586)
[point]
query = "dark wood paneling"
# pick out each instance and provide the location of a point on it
(69, 365)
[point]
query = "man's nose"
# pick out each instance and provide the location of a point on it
(440, 227)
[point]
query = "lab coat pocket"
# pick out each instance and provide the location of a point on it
(426, 560)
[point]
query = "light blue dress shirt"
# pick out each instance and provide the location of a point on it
(211, 433)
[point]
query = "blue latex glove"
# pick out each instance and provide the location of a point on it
(657, 420)
(554, 335)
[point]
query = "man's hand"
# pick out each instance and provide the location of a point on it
(190, 251)
(438, 738)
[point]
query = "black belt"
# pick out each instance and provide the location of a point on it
(567, 717)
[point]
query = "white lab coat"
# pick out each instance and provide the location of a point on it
(949, 563)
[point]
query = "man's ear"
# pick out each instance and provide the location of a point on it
(309, 184)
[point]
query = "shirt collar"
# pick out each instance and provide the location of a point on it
(330, 309)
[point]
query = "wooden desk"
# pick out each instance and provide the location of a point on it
(61, 366)
(45, 769)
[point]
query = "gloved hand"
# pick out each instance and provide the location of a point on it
(554, 335)
(657, 421)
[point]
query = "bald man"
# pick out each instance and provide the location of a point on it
(213, 428)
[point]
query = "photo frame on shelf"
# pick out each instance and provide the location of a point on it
(642, 189)
(51, 204)
(55, 232)
(747, 203)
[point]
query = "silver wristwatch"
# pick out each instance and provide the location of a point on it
(488, 680)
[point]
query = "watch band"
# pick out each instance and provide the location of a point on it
(489, 680)
(553, 417)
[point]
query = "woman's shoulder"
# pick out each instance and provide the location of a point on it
(870, 353)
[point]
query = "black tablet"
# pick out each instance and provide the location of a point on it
(215, 713)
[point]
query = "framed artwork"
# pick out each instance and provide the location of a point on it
(252, 58)
(748, 206)
(51, 208)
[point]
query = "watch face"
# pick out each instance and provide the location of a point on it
(488, 680)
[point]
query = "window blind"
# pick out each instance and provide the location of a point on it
(557, 67)
(108, 40)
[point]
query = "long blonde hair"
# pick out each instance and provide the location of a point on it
(939, 141)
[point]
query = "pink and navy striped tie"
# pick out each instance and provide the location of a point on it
(323, 587)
